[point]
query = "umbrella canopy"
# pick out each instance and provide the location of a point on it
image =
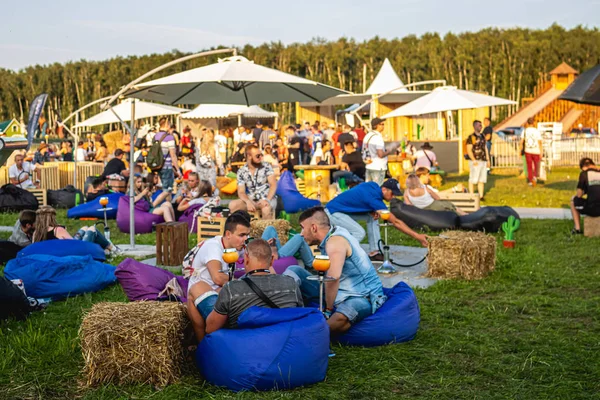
(142, 110)
(233, 80)
(585, 89)
(447, 98)
(227, 110)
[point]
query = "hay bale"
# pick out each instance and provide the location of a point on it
(140, 342)
(222, 181)
(456, 254)
(257, 227)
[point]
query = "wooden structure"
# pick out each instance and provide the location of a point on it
(49, 177)
(10, 128)
(41, 195)
(4, 176)
(465, 201)
(312, 114)
(171, 243)
(317, 179)
(591, 226)
(562, 76)
(210, 227)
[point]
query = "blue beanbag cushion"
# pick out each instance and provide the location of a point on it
(397, 320)
(65, 247)
(293, 201)
(60, 277)
(93, 209)
(272, 349)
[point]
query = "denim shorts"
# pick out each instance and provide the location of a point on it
(355, 309)
(206, 303)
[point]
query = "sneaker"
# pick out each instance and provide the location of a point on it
(116, 251)
(331, 352)
(576, 232)
(530, 184)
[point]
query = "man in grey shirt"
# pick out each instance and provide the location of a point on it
(237, 296)
(23, 229)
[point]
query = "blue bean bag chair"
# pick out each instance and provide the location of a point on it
(93, 209)
(63, 248)
(59, 277)
(396, 321)
(144, 220)
(293, 201)
(272, 349)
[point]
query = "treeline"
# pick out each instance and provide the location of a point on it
(502, 62)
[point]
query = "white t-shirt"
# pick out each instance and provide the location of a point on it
(81, 154)
(318, 153)
(14, 172)
(211, 250)
(375, 142)
(221, 142)
(532, 137)
(247, 137)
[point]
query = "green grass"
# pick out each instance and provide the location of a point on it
(531, 330)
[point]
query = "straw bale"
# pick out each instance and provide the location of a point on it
(456, 254)
(282, 227)
(222, 181)
(140, 342)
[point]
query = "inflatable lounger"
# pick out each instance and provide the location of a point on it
(93, 209)
(293, 201)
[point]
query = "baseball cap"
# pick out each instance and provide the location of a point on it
(393, 185)
(376, 121)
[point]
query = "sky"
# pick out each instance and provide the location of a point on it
(43, 32)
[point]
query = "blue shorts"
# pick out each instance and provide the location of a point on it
(206, 303)
(355, 309)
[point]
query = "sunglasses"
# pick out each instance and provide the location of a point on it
(258, 156)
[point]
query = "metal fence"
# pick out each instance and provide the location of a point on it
(557, 153)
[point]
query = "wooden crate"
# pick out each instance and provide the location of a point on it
(210, 227)
(591, 226)
(40, 195)
(465, 201)
(171, 243)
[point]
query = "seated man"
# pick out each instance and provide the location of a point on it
(116, 166)
(19, 173)
(352, 167)
(21, 236)
(208, 277)
(589, 183)
(256, 185)
(356, 291)
(266, 289)
(97, 189)
(364, 201)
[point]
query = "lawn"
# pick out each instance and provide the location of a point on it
(530, 330)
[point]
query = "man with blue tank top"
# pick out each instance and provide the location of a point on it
(356, 291)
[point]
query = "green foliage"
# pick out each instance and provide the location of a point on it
(510, 227)
(501, 62)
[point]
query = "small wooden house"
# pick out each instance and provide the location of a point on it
(562, 76)
(10, 128)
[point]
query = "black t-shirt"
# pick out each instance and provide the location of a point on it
(478, 142)
(114, 166)
(487, 132)
(68, 156)
(91, 196)
(355, 163)
(345, 137)
(589, 182)
(256, 132)
(294, 157)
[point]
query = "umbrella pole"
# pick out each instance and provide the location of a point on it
(76, 146)
(131, 178)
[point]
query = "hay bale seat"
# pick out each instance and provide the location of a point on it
(457, 254)
(257, 227)
(139, 342)
(591, 226)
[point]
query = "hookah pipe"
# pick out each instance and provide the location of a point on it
(230, 256)
(386, 267)
(104, 203)
(321, 264)
(319, 179)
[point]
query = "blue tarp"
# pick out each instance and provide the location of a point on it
(60, 277)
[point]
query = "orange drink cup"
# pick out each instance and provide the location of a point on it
(384, 215)
(230, 256)
(321, 263)
(103, 201)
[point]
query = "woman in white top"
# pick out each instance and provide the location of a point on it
(422, 197)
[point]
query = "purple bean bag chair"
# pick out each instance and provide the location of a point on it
(144, 221)
(144, 282)
(188, 216)
(279, 265)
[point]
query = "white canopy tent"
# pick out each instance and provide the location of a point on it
(447, 98)
(386, 81)
(143, 110)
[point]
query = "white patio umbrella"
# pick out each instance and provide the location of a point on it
(447, 98)
(143, 110)
(233, 80)
(227, 110)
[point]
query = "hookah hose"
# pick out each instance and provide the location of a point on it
(398, 264)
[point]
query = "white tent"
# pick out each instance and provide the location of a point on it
(447, 98)
(143, 110)
(227, 110)
(386, 80)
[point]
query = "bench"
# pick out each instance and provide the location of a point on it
(591, 226)
(465, 201)
(40, 195)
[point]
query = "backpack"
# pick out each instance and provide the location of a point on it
(155, 158)
(366, 154)
(188, 261)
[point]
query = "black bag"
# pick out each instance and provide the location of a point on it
(486, 219)
(13, 302)
(68, 197)
(15, 199)
(417, 218)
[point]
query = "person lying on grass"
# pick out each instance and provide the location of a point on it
(237, 296)
(421, 196)
(46, 228)
(356, 291)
